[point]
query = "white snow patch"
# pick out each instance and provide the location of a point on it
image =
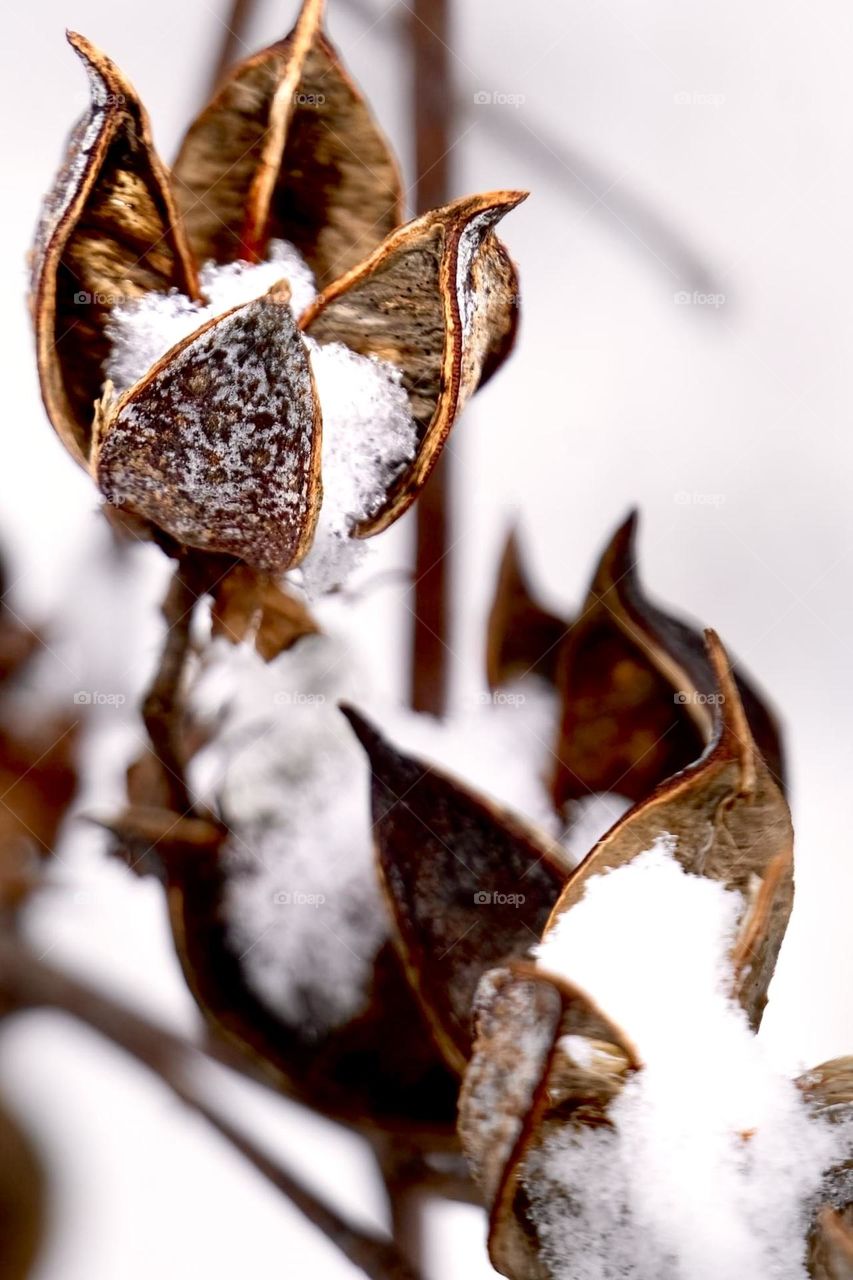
(714, 1161)
(368, 437)
(144, 329)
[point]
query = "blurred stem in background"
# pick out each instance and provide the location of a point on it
(429, 31)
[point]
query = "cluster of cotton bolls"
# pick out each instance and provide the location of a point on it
(305, 909)
(368, 431)
(714, 1161)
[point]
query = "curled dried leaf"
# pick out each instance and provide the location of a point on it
(522, 636)
(637, 690)
(831, 1245)
(730, 822)
(469, 885)
(522, 1082)
(438, 300)
(288, 149)
(219, 443)
(249, 606)
(109, 231)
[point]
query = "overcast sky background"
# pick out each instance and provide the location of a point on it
(686, 267)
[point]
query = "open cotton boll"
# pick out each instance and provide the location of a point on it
(368, 436)
(303, 904)
(714, 1161)
(144, 329)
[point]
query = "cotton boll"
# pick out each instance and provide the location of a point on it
(714, 1160)
(368, 437)
(303, 904)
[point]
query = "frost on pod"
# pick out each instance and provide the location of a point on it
(712, 1162)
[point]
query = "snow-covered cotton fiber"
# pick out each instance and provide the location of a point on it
(368, 430)
(368, 436)
(713, 1162)
(304, 907)
(144, 329)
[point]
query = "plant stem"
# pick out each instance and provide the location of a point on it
(429, 32)
(26, 982)
(161, 708)
(236, 25)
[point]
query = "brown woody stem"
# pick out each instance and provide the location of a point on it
(429, 37)
(161, 709)
(26, 982)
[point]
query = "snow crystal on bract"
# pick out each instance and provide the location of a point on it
(714, 1160)
(303, 903)
(368, 437)
(144, 329)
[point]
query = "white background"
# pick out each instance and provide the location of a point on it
(673, 147)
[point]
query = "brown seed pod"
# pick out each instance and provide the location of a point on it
(637, 690)
(469, 885)
(831, 1245)
(522, 637)
(731, 823)
(289, 149)
(219, 443)
(109, 231)
(829, 1091)
(438, 300)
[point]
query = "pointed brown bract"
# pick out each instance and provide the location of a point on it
(829, 1091)
(247, 605)
(288, 149)
(522, 637)
(219, 444)
(521, 1084)
(731, 823)
(109, 232)
(637, 690)
(469, 885)
(438, 299)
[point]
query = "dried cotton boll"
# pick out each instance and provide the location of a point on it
(144, 329)
(303, 904)
(714, 1161)
(368, 437)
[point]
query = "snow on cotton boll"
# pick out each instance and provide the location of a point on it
(143, 330)
(368, 436)
(303, 904)
(713, 1163)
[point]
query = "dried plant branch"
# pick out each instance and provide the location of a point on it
(26, 982)
(428, 26)
(161, 709)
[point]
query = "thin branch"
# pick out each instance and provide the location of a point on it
(162, 709)
(26, 982)
(235, 27)
(429, 37)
